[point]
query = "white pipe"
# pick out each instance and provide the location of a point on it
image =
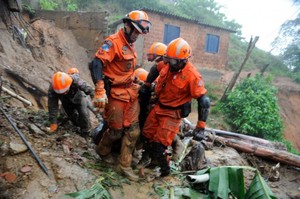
(17, 96)
(197, 178)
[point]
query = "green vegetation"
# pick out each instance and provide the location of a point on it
(48, 5)
(252, 108)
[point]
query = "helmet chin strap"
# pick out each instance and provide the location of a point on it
(128, 35)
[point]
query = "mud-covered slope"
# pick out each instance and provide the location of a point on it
(289, 102)
(49, 49)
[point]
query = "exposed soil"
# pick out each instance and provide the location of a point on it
(69, 157)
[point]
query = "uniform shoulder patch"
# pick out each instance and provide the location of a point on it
(106, 45)
(200, 83)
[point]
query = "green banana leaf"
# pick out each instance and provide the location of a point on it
(96, 191)
(229, 180)
(259, 189)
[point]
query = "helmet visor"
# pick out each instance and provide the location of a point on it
(171, 61)
(143, 26)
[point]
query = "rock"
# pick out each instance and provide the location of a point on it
(35, 129)
(26, 169)
(17, 148)
(20, 125)
(4, 149)
(9, 177)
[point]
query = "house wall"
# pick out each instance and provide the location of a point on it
(195, 35)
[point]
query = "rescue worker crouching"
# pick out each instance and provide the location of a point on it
(70, 90)
(114, 64)
(178, 83)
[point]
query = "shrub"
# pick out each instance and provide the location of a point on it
(48, 5)
(252, 108)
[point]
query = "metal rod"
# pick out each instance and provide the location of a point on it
(41, 164)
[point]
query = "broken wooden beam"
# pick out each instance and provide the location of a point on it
(259, 150)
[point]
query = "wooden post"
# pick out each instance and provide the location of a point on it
(236, 75)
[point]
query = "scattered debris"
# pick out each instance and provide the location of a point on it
(9, 177)
(26, 169)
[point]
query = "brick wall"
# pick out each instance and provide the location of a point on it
(195, 35)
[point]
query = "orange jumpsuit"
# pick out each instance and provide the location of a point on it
(121, 113)
(172, 90)
(119, 60)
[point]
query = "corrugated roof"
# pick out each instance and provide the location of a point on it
(186, 19)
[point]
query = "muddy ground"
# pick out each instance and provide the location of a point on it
(70, 159)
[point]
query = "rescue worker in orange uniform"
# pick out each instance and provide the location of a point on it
(70, 90)
(179, 82)
(155, 54)
(73, 71)
(112, 71)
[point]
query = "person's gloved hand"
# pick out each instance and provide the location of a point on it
(53, 128)
(100, 98)
(198, 132)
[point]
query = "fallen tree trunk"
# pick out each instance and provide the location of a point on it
(241, 136)
(231, 134)
(258, 150)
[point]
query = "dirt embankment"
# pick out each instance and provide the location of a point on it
(289, 101)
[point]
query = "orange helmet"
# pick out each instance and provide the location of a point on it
(141, 74)
(178, 49)
(72, 71)
(61, 82)
(157, 49)
(139, 19)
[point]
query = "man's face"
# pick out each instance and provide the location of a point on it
(132, 33)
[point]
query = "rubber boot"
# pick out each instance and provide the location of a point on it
(146, 159)
(165, 169)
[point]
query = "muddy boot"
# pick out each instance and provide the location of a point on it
(128, 173)
(146, 160)
(109, 159)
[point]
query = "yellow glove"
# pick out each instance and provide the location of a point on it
(100, 98)
(53, 128)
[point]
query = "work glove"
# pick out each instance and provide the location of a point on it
(198, 132)
(53, 128)
(100, 98)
